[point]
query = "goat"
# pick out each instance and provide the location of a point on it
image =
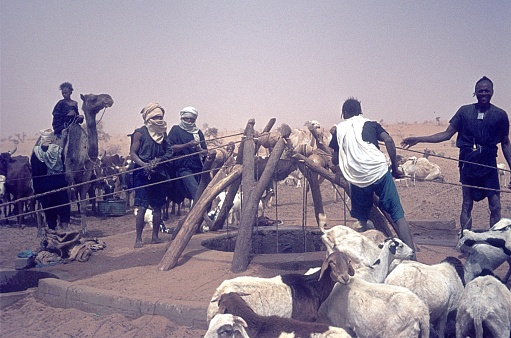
(499, 236)
(481, 256)
(289, 295)
(234, 216)
(2, 187)
(391, 248)
(503, 174)
(148, 220)
(274, 326)
(439, 286)
(362, 250)
(484, 309)
(225, 325)
(367, 309)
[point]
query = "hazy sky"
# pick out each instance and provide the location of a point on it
(236, 60)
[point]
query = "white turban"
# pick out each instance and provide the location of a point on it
(191, 127)
(189, 112)
(47, 136)
(157, 128)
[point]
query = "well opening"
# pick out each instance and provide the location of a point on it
(272, 241)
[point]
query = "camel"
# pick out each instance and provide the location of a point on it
(81, 149)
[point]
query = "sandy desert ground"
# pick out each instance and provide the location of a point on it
(430, 201)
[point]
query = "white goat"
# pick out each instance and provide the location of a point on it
(367, 310)
(234, 216)
(499, 236)
(482, 256)
(2, 187)
(439, 286)
(290, 295)
(485, 305)
(362, 250)
(503, 174)
(391, 248)
(225, 325)
(148, 216)
(275, 326)
(148, 220)
(294, 179)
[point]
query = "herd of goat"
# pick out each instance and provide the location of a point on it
(365, 289)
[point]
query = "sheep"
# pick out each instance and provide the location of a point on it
(370, 232)
(503, 174)
(391, 248)
(2, 186)
(289, 295)
(274, 326)
(226, 325)
(148, 220)
(367, 309)
(234, 215)
(294, 179)
(362, 250)
(439, 286)
(482, 256)
(485, 305)
(498, 236)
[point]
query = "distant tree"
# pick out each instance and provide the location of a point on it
(211, 134)
(102, 135)
(438, 120)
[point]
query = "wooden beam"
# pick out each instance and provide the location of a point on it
(194, 218)
(233, 188)
(243, 248)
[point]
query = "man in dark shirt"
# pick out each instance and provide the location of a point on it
(149, 147)
(65, 111)
(188, 143)
(364, 165)
(481, 127)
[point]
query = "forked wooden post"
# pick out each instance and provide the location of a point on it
(317, 199)
(233, 188)
(194, 218)
(243, 248)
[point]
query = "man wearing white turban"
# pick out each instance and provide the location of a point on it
(188, 142)
(48, 174)
(150, 147)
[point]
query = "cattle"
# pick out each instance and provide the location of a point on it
(125, 181)
(421, 169)
(2, 190)
(110, 169)
(18, 183)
